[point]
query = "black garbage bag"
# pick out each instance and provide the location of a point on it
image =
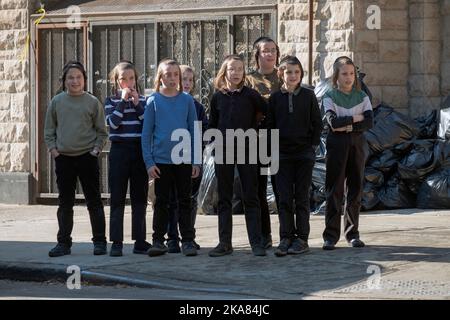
(207, 194)
(317, 195)
(421, 160)
(390, 128)
(434, 193)
(385, 162)
(443, 149)
(396, 194)
(427, 125)
(374, 176)
(370, 200)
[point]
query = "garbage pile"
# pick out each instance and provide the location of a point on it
(408, 165)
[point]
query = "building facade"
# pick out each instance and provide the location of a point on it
(402, 45)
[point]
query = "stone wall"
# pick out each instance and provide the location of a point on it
(425, 52)
(407, 59)
(445, 57)
(14, 87)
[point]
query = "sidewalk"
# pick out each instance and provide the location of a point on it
(411, 249)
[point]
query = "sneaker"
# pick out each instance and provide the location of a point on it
(141, 247)
(116, 249)
(328, 245)
(197, 246)
(221, 250)
(157, 249)
(283, 247)
(356, 243)
(99, 248)
(189, 249)
(298, 246)
(267, 241)
(258, 251)
(61, 249)
(174, 246)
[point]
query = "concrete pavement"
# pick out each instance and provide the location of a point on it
(407, 257)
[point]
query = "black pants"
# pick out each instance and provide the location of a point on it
(126, 164)
(178, 176)
(248, 174)
(68, 169)
(294, 182)
(172, 228)
(266, 229)
(346, 157)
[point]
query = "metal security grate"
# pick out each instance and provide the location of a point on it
(56, 46)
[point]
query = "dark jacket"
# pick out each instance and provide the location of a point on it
(297, 116)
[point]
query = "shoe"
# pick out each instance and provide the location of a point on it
(298, 246)
(61, 249)
(356, 243)
(267, 241)
(189, 249)
(174, 246)
(258, 251)
(328, 245)
(116, 249)
(157, 249)
(197, 246)
(99, 248)
(283, 247)
(221, 250)
(141, 247)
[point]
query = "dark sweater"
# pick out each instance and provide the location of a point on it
(297, 116)
(236, 110)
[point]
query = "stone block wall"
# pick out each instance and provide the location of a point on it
(14, 87)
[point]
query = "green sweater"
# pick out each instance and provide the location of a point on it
(75, 125)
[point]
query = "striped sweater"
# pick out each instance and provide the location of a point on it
(340, 108)
(124, 118)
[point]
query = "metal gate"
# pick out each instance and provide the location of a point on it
(56, 45)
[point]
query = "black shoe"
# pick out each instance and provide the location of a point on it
(197, 246)
(356, 243)
(174, 246)
(221, 250)
(116, 249)
(99, 248)
(189, 249)
(157, 249)
(267, 241)
(283, 247)
(258, 251)
(328, 245)
(298, 246)
(61, 249)
(141, 247)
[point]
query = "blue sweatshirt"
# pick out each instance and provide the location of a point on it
(162, 116)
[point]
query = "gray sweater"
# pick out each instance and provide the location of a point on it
(75, 125)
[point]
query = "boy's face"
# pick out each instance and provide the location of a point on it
(267, 55)
(127, 79)
(170, 77)
(74, 82)
(292, 75)
(346, 77)
(187, 81)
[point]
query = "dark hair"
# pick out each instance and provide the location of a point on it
(73, 65)
(338, 63)
(257, 48)
(114, 75)
(292, 60)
